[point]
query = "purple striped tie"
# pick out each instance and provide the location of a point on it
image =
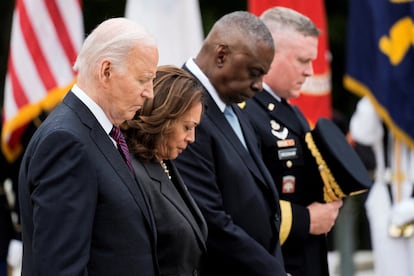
(122, 146)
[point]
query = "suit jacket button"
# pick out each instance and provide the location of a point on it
(277, 217)
(289, 164)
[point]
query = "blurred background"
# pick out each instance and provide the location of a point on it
(324, 96)
(341, 102)
(94, 11)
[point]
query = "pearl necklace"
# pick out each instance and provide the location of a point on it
(165, 168)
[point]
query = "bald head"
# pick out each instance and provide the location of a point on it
(239, 28)
(235, 55)
(113, 39)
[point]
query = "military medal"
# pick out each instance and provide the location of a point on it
(277, 131)
(274, 125)
(285, 143)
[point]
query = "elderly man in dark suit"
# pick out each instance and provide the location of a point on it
(225, 173)
(82, 210)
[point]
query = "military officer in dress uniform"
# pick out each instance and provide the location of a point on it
(281, 128)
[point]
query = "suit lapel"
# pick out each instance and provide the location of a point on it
(192, 214)
(250, 159)
(254, 151)
(108, 150)
(302, 119)
(280, 112)
(197, 215)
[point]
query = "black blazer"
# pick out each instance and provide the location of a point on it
(181, 228)
(82, 211)
(236, 195)
(304, 254)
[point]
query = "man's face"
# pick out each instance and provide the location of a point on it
(292, 64)
(242, 71)
(131, 87)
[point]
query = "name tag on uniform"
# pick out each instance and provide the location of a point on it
(284, 154)
(288, 184)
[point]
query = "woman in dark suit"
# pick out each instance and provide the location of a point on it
(160, 131)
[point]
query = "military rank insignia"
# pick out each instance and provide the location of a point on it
(288, 184)
(285, 143)
(278, 131)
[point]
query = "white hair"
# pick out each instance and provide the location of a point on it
(113, 39)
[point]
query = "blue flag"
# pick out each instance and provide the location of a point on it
(380, 60)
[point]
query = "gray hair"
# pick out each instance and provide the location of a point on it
(113, 39)
(279, 19)
(244, 25)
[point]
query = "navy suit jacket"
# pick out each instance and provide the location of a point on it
(82, 211)
(236, 195)
(181, 228)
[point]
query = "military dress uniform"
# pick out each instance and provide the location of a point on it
(281, 129)
(389, 204)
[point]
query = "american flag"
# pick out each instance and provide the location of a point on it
(46, 36)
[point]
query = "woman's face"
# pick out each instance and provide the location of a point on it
(183, 133)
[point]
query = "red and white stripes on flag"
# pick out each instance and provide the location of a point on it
(45, 39)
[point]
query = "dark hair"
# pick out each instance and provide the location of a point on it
(175, 93)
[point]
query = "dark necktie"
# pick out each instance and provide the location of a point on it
(122, 146)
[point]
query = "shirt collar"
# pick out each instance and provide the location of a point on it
(193, 67)
(96, 110)
(269, 90)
